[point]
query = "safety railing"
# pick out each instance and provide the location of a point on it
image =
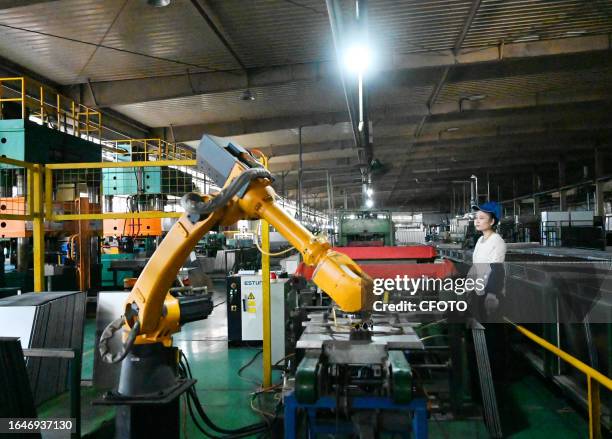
(147, 150)
(594, 379)
(13, 90)
(126, 190)
(22, 97)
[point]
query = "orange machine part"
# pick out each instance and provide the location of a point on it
(132, 227)
(13, 228)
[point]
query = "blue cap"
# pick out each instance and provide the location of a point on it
(492, 207)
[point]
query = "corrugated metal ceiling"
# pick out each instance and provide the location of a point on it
(587, 80)
(403, 26)
(525, 20)
(275, 32)
(294, 98)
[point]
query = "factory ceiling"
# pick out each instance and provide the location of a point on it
(460, 87)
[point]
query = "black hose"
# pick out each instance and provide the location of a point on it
(231, 433)
(108, 333)
(193, 397)
(193, 203)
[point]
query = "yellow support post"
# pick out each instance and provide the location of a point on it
(594, 409)
(42, 105)
(265, 284)
(38, 232)
(49, 193)
(265, 287)
(23, 98)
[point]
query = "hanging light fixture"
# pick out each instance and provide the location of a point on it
(159, 3)
(247, 95)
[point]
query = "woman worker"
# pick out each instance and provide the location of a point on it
(488, 258)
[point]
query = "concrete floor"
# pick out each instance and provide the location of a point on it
(529, 408)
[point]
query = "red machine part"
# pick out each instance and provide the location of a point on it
(413, 252)
(386, 262)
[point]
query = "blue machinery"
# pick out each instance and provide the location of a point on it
(417, 408)
(358, 369)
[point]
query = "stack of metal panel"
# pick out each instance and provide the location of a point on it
(16, 397)
(45, 320)
(224, 261)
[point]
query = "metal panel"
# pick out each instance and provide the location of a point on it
(75, 19)
(587, 80)
(276, 32)
(57, 322)
(16, 397)
(295, 98)
(110, 306)
(399, 26)
(172, 33)
(17, 321)
(175, 32)
(530, 20)
(250, 289)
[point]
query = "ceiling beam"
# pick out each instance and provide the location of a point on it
(389, 150)
(211, 19)
(8, 4)
(387, 116)
(130, 91)
(582, 115)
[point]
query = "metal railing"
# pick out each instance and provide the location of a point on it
(167, 179)
(594, 379)
(147, 149)
(49, 108)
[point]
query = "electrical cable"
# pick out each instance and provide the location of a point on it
(193, 203)
(88, 43)
(193, 399)
(108, 333)
(259, 352)
(273, 254)
(220, 303)
(185, 370)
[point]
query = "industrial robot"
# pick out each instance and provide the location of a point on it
(150, 385)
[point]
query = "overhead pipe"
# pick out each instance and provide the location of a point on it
(356, 104)
(300, 174)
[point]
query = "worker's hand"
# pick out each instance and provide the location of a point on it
(491, 303)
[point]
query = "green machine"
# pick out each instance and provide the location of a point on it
(152, 183)
(24, 140)
(365, 228)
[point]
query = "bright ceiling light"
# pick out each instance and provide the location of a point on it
(476, 98)
(158, 3)
(370, 192)
(369, 203)
(357, 58)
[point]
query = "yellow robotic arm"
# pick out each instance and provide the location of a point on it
(247, 194)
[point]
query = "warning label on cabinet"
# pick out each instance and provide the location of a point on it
(251, 304)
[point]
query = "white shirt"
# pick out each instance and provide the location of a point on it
(486, 252)
(490, 250)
